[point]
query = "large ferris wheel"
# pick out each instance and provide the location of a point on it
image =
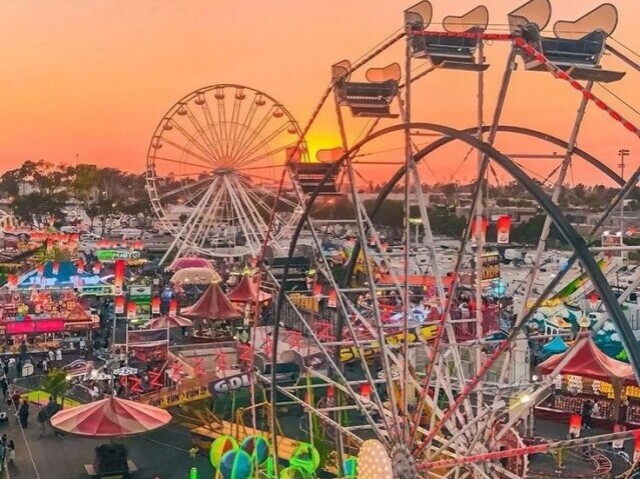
(214, 167)
(397, 371)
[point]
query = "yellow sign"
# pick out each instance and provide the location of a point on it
(547, 303)
(170, 397)
(425, 333)
(304, 302)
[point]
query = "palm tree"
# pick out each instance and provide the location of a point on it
(56, 384)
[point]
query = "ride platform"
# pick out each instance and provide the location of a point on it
(214, 430)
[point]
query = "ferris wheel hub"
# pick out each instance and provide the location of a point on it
(223, 171)
(403, 462)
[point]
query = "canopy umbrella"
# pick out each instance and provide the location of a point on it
(199, 275)
(248, 291)
(167, 321)
(110, 417)
(189, 262)
(212, 305)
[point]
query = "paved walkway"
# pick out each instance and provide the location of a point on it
(163, 453)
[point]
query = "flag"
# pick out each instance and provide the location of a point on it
(480, 235)
(119, 304)
(504, 229)
(118, 279)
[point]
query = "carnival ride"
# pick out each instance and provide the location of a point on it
(421, 393)
(224, 148)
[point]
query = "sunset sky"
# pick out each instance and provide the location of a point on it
(94, 77)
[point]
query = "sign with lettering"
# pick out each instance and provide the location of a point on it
(424, 333)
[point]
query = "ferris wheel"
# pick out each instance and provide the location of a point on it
(216, 171)
(414, 361)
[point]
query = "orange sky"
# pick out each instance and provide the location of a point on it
(95, 77)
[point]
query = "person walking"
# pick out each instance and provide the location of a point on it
(587, 411)
(42, 418)
(10, 452)
(23, 414)
(4, 387)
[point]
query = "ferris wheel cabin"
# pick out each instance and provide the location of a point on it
(577, 46)
(443, 50)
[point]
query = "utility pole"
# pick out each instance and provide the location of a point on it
(622, 153)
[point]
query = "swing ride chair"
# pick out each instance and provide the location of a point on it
(577, 46)
(310, 175)
(370, 99)
(456, 47)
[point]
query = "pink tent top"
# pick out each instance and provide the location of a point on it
(212, 305)
(174, 322)
(248, 291)
(190, 262)
(589, 361)
(111, 417)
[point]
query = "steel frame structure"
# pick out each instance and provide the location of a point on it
(458, 440)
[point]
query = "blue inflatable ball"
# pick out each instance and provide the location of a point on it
(219, 448)
(236, 464)
(257, 447)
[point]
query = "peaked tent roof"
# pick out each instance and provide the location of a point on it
(587, 360)
(173, 322)
(77, 313)
(189, 262)
(212, 305)
(248, 291)
(110, 417)
(555, 346)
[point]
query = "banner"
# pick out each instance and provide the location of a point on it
(118, 275)
(332, 300)
(150, 351)
(155, 305)
(144, 336)
(504, 230)
(482, 234)
(119, 304)
(131, 310)
(575, 424)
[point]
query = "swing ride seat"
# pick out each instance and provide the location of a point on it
(310, 175)
(453, 49)
(580, 58)
(453, 53)
(368, 100)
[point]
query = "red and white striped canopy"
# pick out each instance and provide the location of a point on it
(111, 417)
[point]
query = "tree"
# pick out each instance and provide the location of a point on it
(56, 384)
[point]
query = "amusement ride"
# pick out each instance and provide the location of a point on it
(392, 372)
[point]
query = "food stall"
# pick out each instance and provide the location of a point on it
(589, 374)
